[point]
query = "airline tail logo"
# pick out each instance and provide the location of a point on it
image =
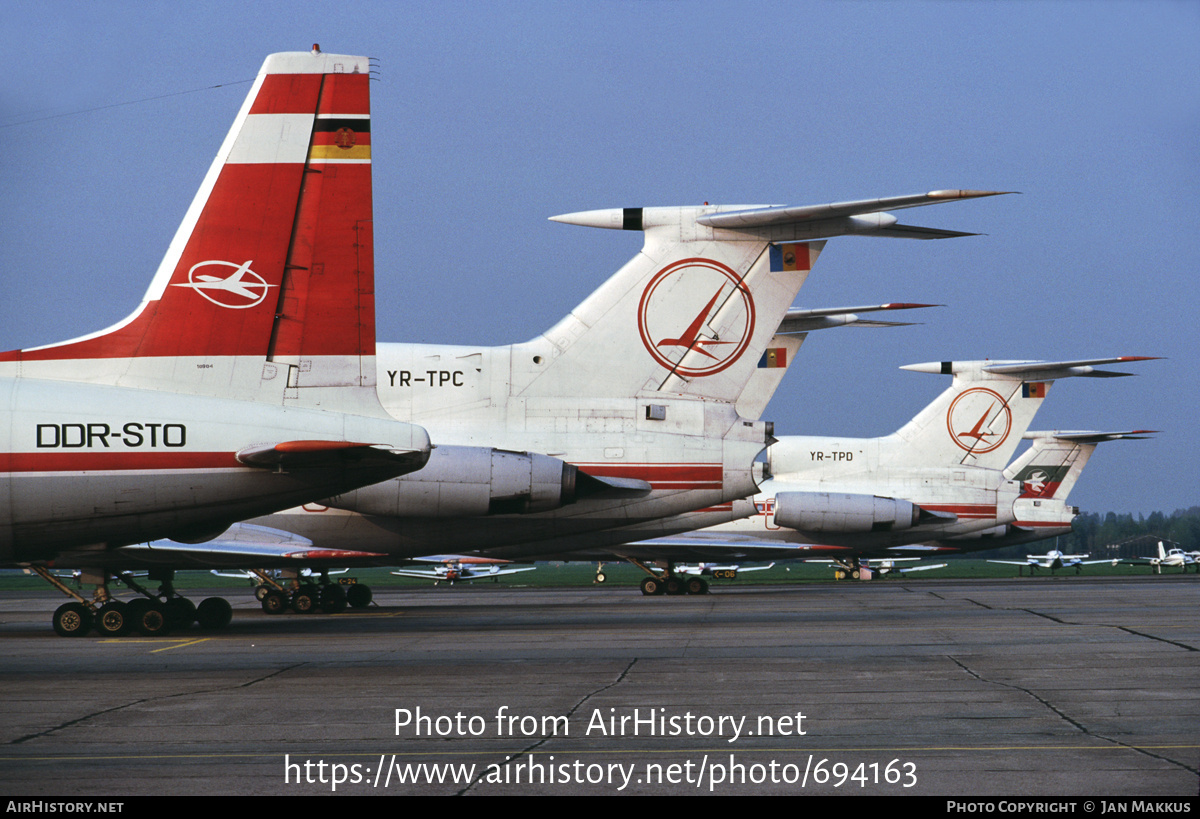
(239, 290)
(679, 312)
(979, 420)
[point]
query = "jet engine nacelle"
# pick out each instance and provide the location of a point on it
(835, 512)
(465, 481)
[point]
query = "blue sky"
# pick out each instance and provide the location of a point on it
(489, 118)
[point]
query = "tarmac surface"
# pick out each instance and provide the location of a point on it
(1052, 686)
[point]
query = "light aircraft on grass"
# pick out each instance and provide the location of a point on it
(243, 383)
(1054, 560)
(1170, 558)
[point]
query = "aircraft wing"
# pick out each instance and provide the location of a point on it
(923, 568)
(242, 545)
(715, 546)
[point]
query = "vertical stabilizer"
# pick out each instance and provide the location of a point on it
(267, 288)
(980, 419)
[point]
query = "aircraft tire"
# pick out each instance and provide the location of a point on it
(697, 585)
(358, 596)
(275, 602)
(261, 591)
(181, 612)
(113, 619)
(674, 586)
(601, 577)
(333, 599)
(72, 620)
(304, 601)
(214, 613)
(152, 620)
(651, 586)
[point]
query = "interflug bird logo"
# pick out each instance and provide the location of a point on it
(979, 420)
(240, 289)
(696, 306)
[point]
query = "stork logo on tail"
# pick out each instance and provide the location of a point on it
(238, 290)
(979, 420)
(696, 306)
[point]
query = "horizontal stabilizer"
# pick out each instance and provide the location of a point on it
(1089, 437)
(325, 454)
(805, 321)
(914, 232)
(1030, 370)
(762, 217)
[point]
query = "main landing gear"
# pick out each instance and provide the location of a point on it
(308, 597)
(665, 581)
(153, 614)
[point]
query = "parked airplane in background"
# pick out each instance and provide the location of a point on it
(1046, 473)
(461, 567)
(869, 568)
(1166, 557)
(939, 477)
(1053, 560)
(244, 382)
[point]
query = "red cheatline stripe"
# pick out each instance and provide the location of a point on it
(106, 461)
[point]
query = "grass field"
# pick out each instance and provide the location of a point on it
(583, 574)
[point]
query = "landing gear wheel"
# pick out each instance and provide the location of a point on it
(152, 619)
(214, 613)
(674, 586)
(181, 612)
(113, 619)
(697, 585)
(275, 602)
(260, 592)
(333, 599)
(72, 620)
(358, 596)
(651, 586)
(856, 575)
(304, 601)
(601, 577)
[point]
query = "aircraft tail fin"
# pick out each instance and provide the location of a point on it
(694, 312)
(1053, 464)
(267, 290)
(980, 419)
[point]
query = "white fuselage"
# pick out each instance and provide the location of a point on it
(90, 466)
(699, 456)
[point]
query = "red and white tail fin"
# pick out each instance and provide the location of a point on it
(1052, 465)
(267, 290)
(980, 419)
